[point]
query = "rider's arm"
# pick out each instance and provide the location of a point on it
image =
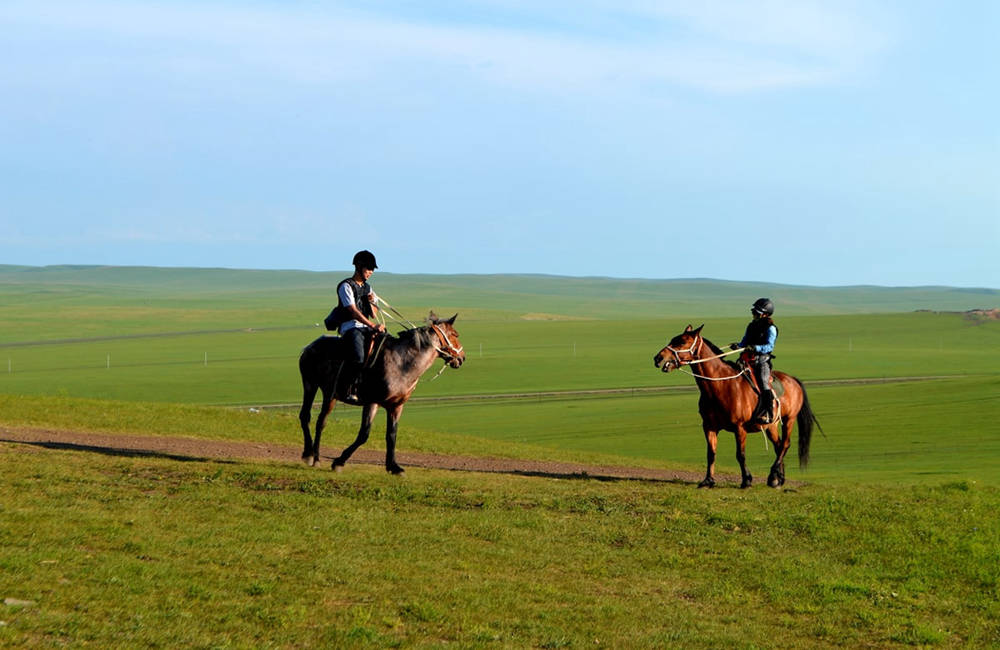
(772, 336)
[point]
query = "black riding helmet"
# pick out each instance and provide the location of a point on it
(365, 259)
(763, 306)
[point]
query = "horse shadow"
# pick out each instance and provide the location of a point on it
(117, 451)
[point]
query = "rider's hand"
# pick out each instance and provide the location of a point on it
(379, 327)
(734, 346)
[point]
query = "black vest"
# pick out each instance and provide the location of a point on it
(756, 333)
(361, 294)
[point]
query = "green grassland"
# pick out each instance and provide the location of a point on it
(188, 336)
(889, 539)
(138, 551)
(260, 366)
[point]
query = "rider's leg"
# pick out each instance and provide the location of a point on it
(355, 341)
(765, 403)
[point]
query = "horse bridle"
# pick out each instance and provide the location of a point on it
(448, 344)
(696, 345)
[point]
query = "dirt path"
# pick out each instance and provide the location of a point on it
(218, 450)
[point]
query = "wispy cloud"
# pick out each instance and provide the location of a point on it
(723, 46)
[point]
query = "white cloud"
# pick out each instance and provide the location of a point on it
(722, 46)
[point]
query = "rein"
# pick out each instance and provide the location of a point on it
(393, 310)
(695, 347)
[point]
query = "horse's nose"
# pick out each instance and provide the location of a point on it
(657, 360)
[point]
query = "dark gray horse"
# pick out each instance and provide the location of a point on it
(388, 381)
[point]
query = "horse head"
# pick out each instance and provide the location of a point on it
(680, 351)
(448, 346)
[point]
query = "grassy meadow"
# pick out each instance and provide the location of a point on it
(139, 551)
(888, 539)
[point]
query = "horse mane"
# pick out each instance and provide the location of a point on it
(717, 350)
(420, 337)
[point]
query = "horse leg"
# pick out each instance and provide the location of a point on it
(308, 395)
(367, 416)
(741, 457)
(711, 441)
(391, 425)
(777, 475)
(324, 410)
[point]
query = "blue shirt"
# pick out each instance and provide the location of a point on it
(766, 348)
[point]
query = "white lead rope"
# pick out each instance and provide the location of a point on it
(742, 372)
(405, 320)
(718, 356)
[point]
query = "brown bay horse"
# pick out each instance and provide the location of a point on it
(388, 380)
(727, 402)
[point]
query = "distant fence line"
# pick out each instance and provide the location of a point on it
(611, 392)
(152, 335)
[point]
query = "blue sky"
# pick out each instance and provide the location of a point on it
(818, 143)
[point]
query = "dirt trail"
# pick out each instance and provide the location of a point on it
(218, 450)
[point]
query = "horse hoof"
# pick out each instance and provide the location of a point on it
(707, 483)
(395, 470)
(337, 466)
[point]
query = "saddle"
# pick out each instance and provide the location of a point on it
(334, 347)
(751, 378)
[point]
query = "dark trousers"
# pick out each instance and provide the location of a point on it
(762, 371)
(354, 345)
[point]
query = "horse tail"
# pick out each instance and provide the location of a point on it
(805, 420)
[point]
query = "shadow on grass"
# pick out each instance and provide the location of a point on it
(116, 451)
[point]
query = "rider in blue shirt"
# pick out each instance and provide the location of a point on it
(759, 340)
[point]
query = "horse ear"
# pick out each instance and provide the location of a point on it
(698, 331)
(432, 317)
(687, 329)
(451, 321)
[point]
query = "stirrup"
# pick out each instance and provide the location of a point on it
(762, 416)
(351, 395)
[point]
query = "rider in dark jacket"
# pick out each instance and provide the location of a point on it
(759, 339)
(358, 300)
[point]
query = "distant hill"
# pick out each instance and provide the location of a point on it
(502, 295)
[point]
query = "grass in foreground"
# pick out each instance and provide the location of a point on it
(140, 551)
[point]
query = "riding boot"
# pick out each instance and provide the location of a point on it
(763, 414)
(351, 379)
